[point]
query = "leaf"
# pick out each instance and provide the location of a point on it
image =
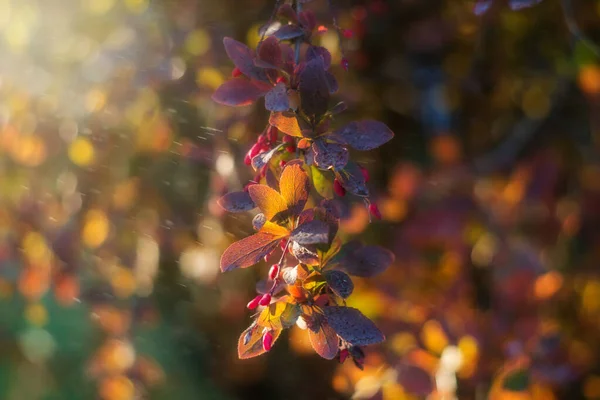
(259, 221)
(305, 254)
(322, 185)
(236, 202)
(270, 52)
(287, 124)
(260, 160)
(520, 4)
(339, 108)
(352, 326)
(334, 248)
(279, 315)
(286, 11)
(271, 179)
(317, 51)
(332, 83)
(329, 155)
(271, 203)
(314, 89)
(238, 92)
(243, 58)
(340, 283)
(324, 340)
(368, 261)
(364, 135)
(294, 187)
(517, 380)
(353, 180)
(414, 379)
(311, 232)
(277, 99)
(287, 32)
(248, 251)
(250, 342)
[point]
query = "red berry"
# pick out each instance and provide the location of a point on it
(281, 79)
(265, 300)
(288, 139)
(322, 29)
(274, 271)
(272, 134)
(236, 72)
(345, 64)
(282, 244)
(347, 33)
(282, 163)
(254, 302)
(290, 149)
(267, 340)
(255, 149)
(338, 188)
(247, 159)
(374, 210)
(365, 173)
(343, 355)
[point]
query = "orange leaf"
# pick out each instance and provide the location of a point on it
(294, 187)
(250, 342)
(324, 341)
(271, 203)
(248, 251)
(274, 229)
(285, 124)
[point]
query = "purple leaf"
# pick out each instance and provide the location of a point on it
(314, 88)
(353, 180)
(340, 283)
(236, 202)
(364, 135)
(339, 108)
(352, 326)
(311, 232)
(277, 99)
(366, 261)
(243, 58)
(270, 52)
(239, 92)
(318, 51)
(305, 254)
(287, 32)
(286, 11)
(258, 221)
(331, 82)
(329, 155)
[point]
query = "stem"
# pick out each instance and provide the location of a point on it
(298, 40)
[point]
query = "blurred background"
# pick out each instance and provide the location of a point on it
(112, 156)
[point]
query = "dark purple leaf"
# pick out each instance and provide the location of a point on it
(314, 88)
(239, 92)
(329, 155)
(414, 380)
(270, 52)
(317, 51)
(331, 82)
(305, 254)
(353, 180)
(364, 135)
(287, 32)
(352, 326)
(311, 232)
(286, 11)
(277, 99)
(366, 261)
(308, 20)
(258, 221)
(236, 202)
(260, 160)
(243, 58)
(340, 283)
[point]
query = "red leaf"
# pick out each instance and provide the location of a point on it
(324, 341)
(364, 135)
(352, 326)
(239, 92)
(248, 251)
(243, 58)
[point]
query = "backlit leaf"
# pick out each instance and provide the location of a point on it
(367, 261)
(294, 187)
(352, 326)
(238, 92)
(248, 251)
(329, 155)
(236, 202)
(286, 123)
(311, 232)
(322, 185)
(279, 315)
(324, 340)
(364, 135)
(339, 282)
(314, 89)
(271, 203)
(243, 58)
(262, 159)
(277, 99)
(250, 342)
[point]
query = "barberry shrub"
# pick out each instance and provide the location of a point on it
(301, 158)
